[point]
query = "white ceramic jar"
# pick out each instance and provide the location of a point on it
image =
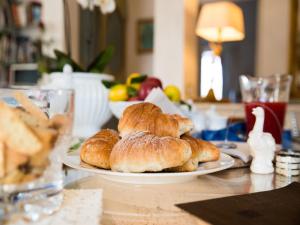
(91, 99)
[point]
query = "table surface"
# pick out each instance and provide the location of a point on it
(155, 204)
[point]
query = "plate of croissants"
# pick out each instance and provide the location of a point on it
(150, 147)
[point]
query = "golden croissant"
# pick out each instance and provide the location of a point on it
(149, 117)
(202, 151)
(96, 150)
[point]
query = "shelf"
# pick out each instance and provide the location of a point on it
(19, 36)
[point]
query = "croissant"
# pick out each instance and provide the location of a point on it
(149, 117)
(202, 151)
(96, 150)
(145, 152)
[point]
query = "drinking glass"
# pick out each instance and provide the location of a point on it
(271, 93)
(43, 195)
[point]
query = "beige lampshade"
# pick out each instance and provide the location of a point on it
(221, 22)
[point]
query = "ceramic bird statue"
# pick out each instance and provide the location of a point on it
(262, 145)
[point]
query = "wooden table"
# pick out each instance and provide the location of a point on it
(155, 204)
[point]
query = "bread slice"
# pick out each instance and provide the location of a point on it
(14, 160)
(48, 137)
(62, 123)
(16, 133)
(26, 139)
(45, 134)
(30, 107)
(42, 129)
(14, 177)
(30, 119)
(2, 165)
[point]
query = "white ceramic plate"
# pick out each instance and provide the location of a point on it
(225, 161)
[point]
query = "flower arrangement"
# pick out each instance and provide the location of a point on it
(106, 6)
(48, 64)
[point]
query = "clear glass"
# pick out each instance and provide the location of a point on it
(275, 88)
(271, 93)
(43, 195)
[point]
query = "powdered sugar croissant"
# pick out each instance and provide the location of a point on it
(145, 152)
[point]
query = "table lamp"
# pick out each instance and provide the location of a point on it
(220, 22)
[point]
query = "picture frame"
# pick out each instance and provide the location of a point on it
(294, 49)
(145, 35)
(34, 15)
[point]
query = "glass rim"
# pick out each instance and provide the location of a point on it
(30, 88)
(268, 77)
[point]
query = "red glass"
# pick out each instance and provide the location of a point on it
(274, 117)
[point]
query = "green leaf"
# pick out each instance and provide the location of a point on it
(63, 59)
(185, 103)
(132, 92)
(47, 64)
(43, 66)
(139, 79)
(102, 60)
(75, 146)
(109, 84)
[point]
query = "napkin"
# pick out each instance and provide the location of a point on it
(209, 120)
(158, 97)
(276, 207)
(78, 207)
(214, 121)
(241, 151)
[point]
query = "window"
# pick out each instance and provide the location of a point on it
(237, 58)
(211, 74)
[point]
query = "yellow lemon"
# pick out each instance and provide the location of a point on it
(136, 86)
(131, 76)
(173, 93)
(118, 93)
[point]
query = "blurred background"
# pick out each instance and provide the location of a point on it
(154, 37)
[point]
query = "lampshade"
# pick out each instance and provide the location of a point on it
(221, 22)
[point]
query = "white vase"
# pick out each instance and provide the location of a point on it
(91, 100)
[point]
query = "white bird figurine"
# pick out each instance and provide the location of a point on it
(262, 145)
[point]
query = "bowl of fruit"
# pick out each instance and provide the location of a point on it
(135, 90)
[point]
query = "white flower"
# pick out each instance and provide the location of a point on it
(106, 6)
(84, 3)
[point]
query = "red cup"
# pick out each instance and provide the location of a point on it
(272, 94)
(274, 117)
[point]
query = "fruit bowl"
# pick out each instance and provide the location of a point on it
(136, 90)
(118, 107)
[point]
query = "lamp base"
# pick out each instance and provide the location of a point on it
(216, 47)
(210, 97)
